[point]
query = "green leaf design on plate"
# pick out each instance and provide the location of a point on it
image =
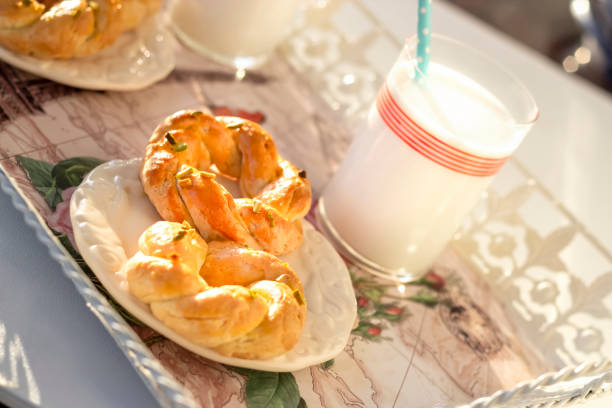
(302, 404)
(51, 179)
(425, 298)
(327, 364)
(272, 390)
(369, 330)
(70, 172)
(151, 340)
(39, 173)
(389, 311)
(373, 293)
(52, 195)
(68, 245)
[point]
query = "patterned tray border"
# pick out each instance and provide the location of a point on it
(589, 378)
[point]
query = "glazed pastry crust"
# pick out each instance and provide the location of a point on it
(178, 177)
(241, 302)
(226, 289)
(68, 28)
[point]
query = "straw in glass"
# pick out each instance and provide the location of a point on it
(423, 35)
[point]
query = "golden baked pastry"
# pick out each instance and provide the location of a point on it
(68, 28)
(177, 176)
(241, 302)
(227, 294)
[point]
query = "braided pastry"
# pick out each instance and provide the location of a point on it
(241, 302)
(68, 28)
(175, 177)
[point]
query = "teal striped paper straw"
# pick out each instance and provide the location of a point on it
(423, 35)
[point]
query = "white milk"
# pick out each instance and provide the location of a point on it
(397, 207)
(239, 32)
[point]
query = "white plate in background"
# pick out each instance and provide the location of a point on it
(136, 60)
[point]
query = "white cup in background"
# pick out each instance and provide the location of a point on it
(240, 33)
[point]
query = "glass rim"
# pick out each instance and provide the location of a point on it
(412, 41)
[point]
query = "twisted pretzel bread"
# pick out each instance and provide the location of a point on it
(241, 302)
(68, 28)
(277, 193)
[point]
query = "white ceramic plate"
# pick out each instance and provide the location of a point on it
(110, 210)
(136, 60)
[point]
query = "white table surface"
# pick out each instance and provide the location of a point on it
(74, 362)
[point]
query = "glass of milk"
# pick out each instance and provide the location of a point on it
(430, 147)
(240, 33)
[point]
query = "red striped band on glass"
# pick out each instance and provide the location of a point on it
(430, 146)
